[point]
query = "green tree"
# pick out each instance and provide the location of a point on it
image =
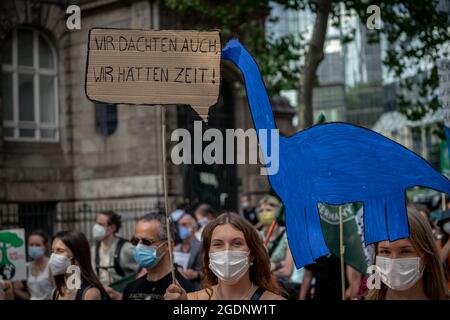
(416, 31)
(278, 57)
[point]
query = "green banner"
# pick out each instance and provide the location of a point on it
(354, 251)
(445, 162)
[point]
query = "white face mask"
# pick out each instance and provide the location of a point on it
(229, 266)
(399, 274)
(446, 227)
(58, 264)
(98, 232)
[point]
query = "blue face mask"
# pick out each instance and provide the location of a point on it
(184, 232)
(146, 256)
(35, 252)
(203, 222)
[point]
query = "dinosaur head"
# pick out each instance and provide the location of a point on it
(232, 50)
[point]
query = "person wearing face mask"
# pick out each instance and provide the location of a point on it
(71, 249)
(443, 243)
(410, 269)
(38, 285)
(204, 214)
(277, 246)
(248, 211)
(235, 264)
(39, 282)
(112, 256)
(152, 253)
(187, 253)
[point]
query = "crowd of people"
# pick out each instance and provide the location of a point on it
(231, 256)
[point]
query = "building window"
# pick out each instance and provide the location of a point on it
(105, 118)
(29, 87)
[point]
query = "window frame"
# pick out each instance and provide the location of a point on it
(14, 69)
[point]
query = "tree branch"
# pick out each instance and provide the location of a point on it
(314, 57)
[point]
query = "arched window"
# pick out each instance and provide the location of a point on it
(29, 87)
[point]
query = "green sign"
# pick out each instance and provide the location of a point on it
(445, 162)
(354, 250)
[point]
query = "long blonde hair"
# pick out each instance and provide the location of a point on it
(421, 236)
(260, 270)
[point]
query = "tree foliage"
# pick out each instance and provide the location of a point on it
(417, 33)
(278, 57)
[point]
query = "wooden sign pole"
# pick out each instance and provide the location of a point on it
(443, 201)
(342, 251)
(166, 202)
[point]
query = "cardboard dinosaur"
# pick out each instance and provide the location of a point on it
(335, 163)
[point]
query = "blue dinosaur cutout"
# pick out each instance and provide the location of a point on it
(335, 163)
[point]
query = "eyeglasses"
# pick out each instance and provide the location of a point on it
(135, 241)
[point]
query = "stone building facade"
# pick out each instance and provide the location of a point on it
(59, 152)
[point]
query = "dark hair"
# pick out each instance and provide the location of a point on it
(260, 270)
(113, 219)
(161, 218)
(77, 242)
(41, 234)
(205, 210)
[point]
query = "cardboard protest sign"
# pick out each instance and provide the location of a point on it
(154, 67)
(12, 255)
(335, 164)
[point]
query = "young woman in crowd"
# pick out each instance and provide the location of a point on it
(443, 245)
(72, 248)
(39, 285)
(235, 264)
(410, 269)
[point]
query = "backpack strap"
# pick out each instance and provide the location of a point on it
(97, 257)
(116, 261)
(117, 266)
(258, 293)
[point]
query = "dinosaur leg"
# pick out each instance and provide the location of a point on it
(315, 235)
(298, 235)
(375, 225)
(397, 218)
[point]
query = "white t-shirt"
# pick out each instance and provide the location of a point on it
(41, 286)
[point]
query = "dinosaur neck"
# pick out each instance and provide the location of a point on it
(258, 99)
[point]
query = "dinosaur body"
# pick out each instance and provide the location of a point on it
(335, 163)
